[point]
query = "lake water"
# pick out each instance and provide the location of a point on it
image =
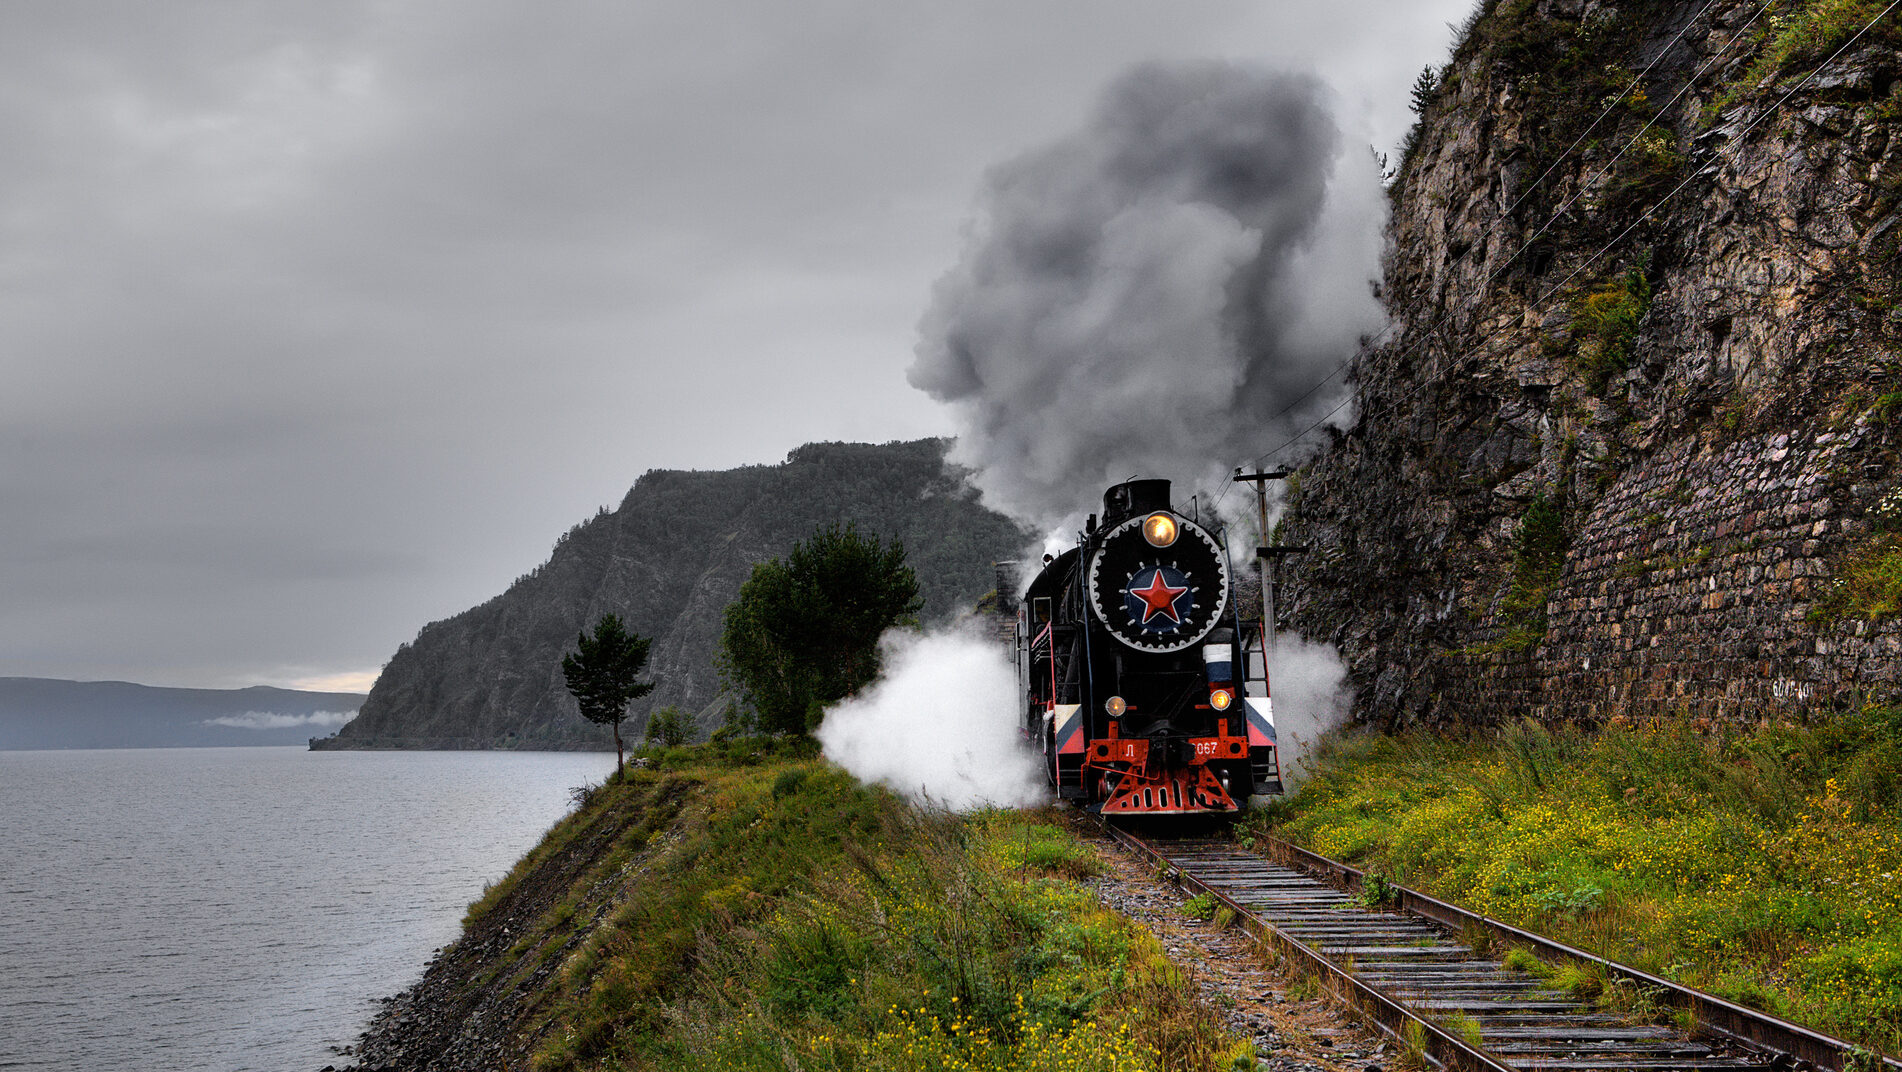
(237, 909)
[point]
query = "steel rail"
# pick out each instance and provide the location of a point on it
(1710, 1013)
(1443, 1049)
(1514, 1038)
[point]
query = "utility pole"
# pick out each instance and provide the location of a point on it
(1267, 556)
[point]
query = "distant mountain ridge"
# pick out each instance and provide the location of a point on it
(38, 712)
(668, 560)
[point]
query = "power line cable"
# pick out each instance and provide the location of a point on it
(1744, 133)
(1436, 327)
(1492, 277)
(1633, 140)
(1760, 119)
(1616, 100)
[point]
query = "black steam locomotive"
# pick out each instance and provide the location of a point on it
(1144, 686)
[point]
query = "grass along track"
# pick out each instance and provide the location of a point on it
(1756, 863)
(1424, 972)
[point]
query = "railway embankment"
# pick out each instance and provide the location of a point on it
(1762, 865)
(747, 906)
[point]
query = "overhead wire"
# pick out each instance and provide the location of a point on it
(1372, 343)
(1649, 123)
(1612, 105)
(1437, 325)
(1740, 135)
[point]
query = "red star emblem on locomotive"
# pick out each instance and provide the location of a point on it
(1159, 598)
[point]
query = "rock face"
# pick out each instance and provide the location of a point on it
(1641, 402)
(669, 560)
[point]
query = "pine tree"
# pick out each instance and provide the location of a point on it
(1423, 88)
(601, 674)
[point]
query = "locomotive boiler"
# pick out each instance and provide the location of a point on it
(1143, 684)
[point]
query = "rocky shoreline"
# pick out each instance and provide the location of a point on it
(473, 1007)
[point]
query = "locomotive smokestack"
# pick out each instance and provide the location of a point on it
(1134, 497)
(1149, 294)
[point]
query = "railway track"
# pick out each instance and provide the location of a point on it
(1415, 969)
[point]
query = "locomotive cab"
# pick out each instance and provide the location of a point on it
(1136, 668)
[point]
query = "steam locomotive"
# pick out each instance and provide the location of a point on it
(1145, 688)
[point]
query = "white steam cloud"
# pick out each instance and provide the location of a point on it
(1308, 686)
(940, 725)
(271, 720)
(1146, 296)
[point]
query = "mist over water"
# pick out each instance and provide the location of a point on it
(1147, 295)
(941, 725)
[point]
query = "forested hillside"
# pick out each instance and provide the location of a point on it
(668, 560)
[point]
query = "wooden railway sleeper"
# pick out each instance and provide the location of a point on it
(1403, 974)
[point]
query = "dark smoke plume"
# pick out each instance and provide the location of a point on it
(1143, 297)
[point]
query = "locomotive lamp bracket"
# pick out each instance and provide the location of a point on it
(1270, 558)
(1280, 549)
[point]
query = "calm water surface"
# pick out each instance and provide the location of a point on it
(241, 908)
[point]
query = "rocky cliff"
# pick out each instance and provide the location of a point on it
(669, 560)
(1631, 446)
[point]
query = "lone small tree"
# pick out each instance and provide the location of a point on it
(804, 632)
(602, 671)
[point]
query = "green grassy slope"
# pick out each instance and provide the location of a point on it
(1764, 865)
(741, 906)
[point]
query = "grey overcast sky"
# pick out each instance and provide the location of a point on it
(322, 320)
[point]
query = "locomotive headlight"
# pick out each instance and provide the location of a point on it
(1115, 706)
(1159, 529)
(1220, 699)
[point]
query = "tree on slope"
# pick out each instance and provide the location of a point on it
(804, 632)
(602, 671)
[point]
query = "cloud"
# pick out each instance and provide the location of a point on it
(271, 720)
(320, 321)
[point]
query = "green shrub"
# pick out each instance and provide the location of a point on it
(1809, 32)
(1800, 34)
(668, 727)
(1867, 583)
(1537, 560)
(1047, 849)
(1521, 961)
(1467, 1029)
(1606, 318)
(780, 914)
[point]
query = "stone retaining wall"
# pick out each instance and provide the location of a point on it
(1689, 589)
